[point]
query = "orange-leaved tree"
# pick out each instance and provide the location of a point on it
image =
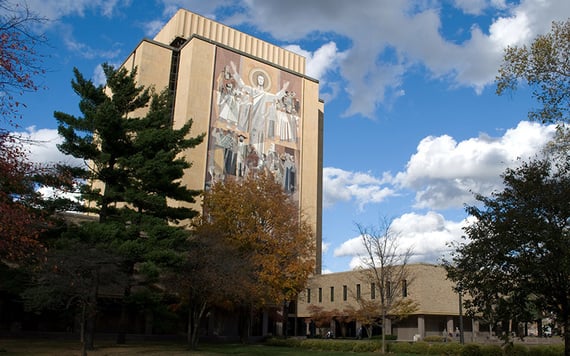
(275, 245)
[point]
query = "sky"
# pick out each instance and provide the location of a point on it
(412, 129)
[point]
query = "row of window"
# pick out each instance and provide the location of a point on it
(358, 292)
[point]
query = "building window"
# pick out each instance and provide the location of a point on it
(372, 291)
(404, 288)
(332, 294)
(344, 293)
(320, 295)
(358, 291)
(388, 289)
(308, 296)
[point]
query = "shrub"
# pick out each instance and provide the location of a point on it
(420, 348)
(366, 346)
(547, 350)
(471, 350)
(401, 347)
(434, 338)
(446, 349)
(283, 342)
(516, 350)
(491, 350)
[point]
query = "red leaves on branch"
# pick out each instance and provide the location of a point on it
(20, 222)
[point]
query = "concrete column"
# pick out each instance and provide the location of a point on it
(475, 329)
(421, 326)
(450, 326)
(265, 323)
(388, 327)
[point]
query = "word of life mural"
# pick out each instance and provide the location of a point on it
(255, 122)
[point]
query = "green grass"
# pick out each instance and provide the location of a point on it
(21, 347)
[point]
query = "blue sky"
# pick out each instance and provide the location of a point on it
(412, 124)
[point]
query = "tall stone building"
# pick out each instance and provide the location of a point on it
(253, 100)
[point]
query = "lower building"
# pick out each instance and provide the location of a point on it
(437, 313)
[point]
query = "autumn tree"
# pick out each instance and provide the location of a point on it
(385, 266)
(21, 219)
(20, 59)
(274, 244)
(206, 279)
(544, 66)
(135, 170)
(320, 317)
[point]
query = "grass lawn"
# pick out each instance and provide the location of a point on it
(42, 347)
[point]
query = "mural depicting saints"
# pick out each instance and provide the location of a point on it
(252, 127)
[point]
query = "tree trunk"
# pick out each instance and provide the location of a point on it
(244, 321)
(567, 337)
(82, 330)
(90, 331)
(383, 330)
(194, 318)
(124, 320)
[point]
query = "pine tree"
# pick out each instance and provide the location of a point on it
(135, 170)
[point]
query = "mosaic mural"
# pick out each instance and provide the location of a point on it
(255, 121)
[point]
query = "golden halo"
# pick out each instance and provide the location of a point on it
(255, 73)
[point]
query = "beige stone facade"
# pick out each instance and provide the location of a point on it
(252, 99)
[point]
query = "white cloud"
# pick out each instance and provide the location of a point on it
(427, 235)
(324, 59)
(42, 145)
(82, 49)
(445, 173)
(56, 9)
(476, 7)
(412, 32)
(363, 188)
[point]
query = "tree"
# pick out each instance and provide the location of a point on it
(544, 67)
(320, 317)
(274, 244)
(206, 279)
(516, 256)
(135, 170)
(385, 266)
(19, 56)
(70, 277)
(24, 212)
(20, 219)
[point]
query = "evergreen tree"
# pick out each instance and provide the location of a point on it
(135, 169)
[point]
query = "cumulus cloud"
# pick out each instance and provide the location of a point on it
(445, 173)
(324, 59)
(428, 235)
(384, 40)
(363, 188)
(410, 33)
(42, 146)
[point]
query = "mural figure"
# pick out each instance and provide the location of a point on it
(288, 117)
(228, 107)
(253, 128)
(261, 109)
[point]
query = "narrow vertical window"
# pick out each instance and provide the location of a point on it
(320, 295)
(358, 291)
(404, 288)
(308, 296)
(372, 290)
(388, 289)
(344, 293)
(332, 294)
